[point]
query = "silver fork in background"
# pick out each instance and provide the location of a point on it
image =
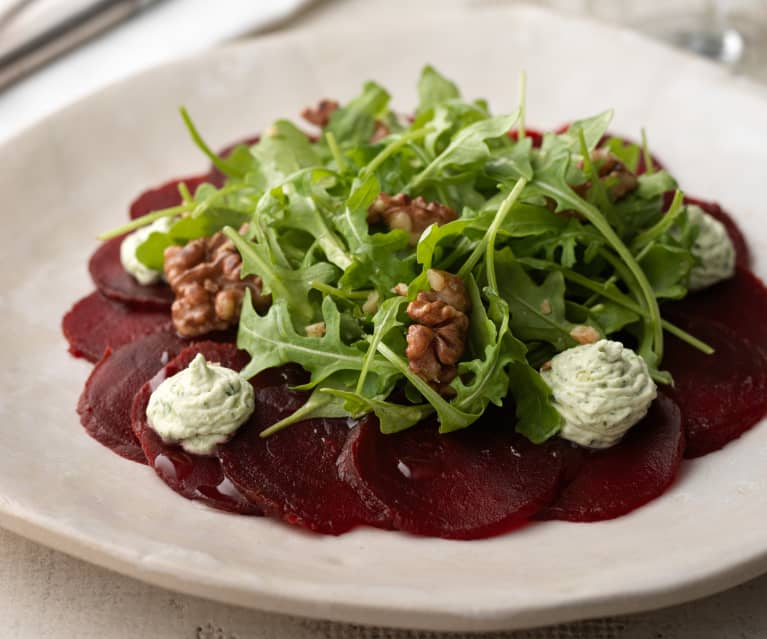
(53, 37)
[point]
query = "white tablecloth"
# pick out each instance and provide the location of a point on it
(44, 593)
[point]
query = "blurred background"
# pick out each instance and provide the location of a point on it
(55, 51)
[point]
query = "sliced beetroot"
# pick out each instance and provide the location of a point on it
(292, 474)
(721, 395)
(535, 135)
(105, 403)
(610, 483)
(742, 253)
(740, 303)
(164, 196)
(193, 476)
(96, 323)
(465, 485)
(116, 283)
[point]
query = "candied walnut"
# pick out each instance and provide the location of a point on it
(205, 278)
(413, 215)
(319, 114)
(437, 339)
(609, 166)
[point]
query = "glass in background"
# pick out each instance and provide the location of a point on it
(732, 32)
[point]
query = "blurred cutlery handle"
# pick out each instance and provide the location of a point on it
(52, 36)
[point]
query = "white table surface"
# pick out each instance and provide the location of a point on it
(44, 593)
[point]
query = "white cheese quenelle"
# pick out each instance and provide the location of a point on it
(142, 273)
(601, 390)
(713, 247)
(200, 406)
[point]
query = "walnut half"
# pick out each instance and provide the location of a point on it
(436, 340)
(205, 278)
(609, 166)
(413, 215)
(319, 115)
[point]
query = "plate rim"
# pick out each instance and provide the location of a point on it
(53, 534)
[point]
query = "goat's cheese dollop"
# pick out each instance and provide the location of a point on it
(601, 390)
(142, 273)
(200, 406)
(713, 247)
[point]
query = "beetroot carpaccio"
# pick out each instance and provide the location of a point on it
(436, 325)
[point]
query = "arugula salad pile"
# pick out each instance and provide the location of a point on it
(537, 257)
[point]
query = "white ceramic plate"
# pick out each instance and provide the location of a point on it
(72, 176)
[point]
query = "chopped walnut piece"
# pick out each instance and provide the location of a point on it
(315, 330)
(400, 289)
(585, 334)
(437, 339)
(319, 114)
(205, 278)
(449, 288)
(608, 165)
(413, 215)
(371, 303)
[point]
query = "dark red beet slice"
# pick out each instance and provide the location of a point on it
(292, 475)
(95, 323)
(105, 403)
(465, 485)
(535, 135)
(164, 196)
(193, 476)
(613, 482)
(739, 302)
(724, 394)
(116, 283)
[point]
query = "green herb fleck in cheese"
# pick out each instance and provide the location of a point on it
(713, 247)
(200, 406)
(601, 390)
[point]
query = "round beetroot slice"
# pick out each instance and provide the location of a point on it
(740, 303)
(535, 136)
(613, 482)
(195, 477)
(470, 484)
(105, 403)
(116, 283)
(292, 475)
(96, 323)
(164, 196)
(721, 395)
